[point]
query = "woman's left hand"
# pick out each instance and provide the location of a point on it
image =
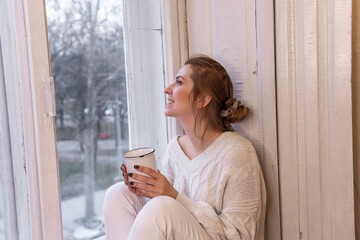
(156, 185)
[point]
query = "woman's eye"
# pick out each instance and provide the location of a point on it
(178, 82)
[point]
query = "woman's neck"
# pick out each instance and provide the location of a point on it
(196, 141)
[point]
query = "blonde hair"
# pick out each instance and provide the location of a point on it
(210, 78)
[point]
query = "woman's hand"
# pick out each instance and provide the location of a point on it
(156, 185)
(126, 181)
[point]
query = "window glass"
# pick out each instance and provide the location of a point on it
(87, 60)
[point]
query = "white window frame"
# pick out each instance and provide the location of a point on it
(6, 168)
(175, 40)
(31, 127)
(29, 165)
(145, 75)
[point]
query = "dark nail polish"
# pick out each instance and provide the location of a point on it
(136, 166)
(131, 183)
(130, 174)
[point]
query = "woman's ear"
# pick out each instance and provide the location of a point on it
(203, 101)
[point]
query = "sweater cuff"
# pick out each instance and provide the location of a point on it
(185, 201)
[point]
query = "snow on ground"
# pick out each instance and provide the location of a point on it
(74, 209)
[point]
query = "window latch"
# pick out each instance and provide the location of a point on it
(50, 97)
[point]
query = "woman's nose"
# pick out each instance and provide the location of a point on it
(169, 89)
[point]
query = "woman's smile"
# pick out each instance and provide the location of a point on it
(170, 101)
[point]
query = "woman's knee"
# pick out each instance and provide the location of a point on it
(162, 205)
(158, 218)
(113, 194)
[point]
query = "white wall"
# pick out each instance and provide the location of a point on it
(313, 58)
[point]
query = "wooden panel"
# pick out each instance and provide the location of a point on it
(356, 110)
(199, 25)
(314, 100)
(240, 34)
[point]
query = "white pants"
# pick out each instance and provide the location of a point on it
(128, 216)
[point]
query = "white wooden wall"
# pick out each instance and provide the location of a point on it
(303, 130)
(313, 59)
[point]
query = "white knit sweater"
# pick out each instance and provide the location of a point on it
(223, 187)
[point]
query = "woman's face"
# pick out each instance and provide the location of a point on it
(179, 101)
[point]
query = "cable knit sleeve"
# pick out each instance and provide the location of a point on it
(242, 206)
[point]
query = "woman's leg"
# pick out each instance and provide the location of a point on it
(164, 218)
(120, 210)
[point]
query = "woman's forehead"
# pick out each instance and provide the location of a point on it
(184, 72)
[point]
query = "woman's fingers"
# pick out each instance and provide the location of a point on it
(126, 178)
(150, 190)
(155, 185)
(147, 170)
(138, 192)
(143, 186)
(131, 188)
(126, 181)
(145, 193)
(141, 178)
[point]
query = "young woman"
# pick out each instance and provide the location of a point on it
(211, 185)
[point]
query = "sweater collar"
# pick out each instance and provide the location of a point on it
(207, 155)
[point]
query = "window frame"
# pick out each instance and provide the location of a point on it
(176, 47)
(6, 168)
(144, 43)
(31, 125)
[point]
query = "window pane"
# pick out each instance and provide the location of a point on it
(87, 59)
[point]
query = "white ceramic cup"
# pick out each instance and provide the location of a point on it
(140, 156)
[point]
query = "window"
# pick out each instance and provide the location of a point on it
(27, 122)
(88, 66)
(104, 105)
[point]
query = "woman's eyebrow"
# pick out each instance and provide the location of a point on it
(179, 77)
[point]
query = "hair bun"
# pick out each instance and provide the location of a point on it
(234, 111)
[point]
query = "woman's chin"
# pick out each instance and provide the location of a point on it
(168, 113)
